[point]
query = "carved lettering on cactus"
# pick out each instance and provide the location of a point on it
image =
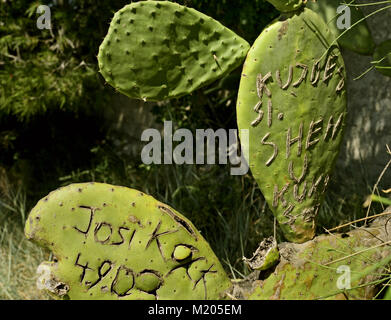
(309, 214)
(340, 86)
(300, 197)
(278, 195)
(303, 173)
(341, 83)
(314, 186)
(261, 85)
(102, 272)
(119, 232)
(258, 106)
(315, 73)
(104, 231)
(333, 127)
(258, 120)
(275, 149)
(203, 274)
(288, 210)
(313, 130)
(290, 141)
(269, 113)
(289, 80)
(155, 237)
(130, 282)
(92, 212)
(287, 214)
(98, 227)
(329, 67)
(84, 267)
(303, 74)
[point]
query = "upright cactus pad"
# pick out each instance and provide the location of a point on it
(112, 242)
(292, 100)
(157, 50)
(358, 38)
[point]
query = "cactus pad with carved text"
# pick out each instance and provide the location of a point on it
(156, 50)
(113, 242)
(292, 99)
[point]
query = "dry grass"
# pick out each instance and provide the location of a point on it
(19, 260)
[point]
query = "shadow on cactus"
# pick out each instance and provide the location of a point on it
(117, 243)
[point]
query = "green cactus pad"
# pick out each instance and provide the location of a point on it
(286, 5)
(292, 100)
(112, 242)
(340, 266)
(383, 55)
(358, 38)
(157, 50)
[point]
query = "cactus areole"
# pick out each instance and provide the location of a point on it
(112, 242)
(292, 100)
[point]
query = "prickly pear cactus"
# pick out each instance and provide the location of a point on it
(338, 266)
(155, 50)
(112, 242)
(292, 100)
(382, 56)
(358, 38)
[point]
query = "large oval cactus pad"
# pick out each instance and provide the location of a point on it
(157, 50)
(293, 102)
(358, 38)
(112, 242)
